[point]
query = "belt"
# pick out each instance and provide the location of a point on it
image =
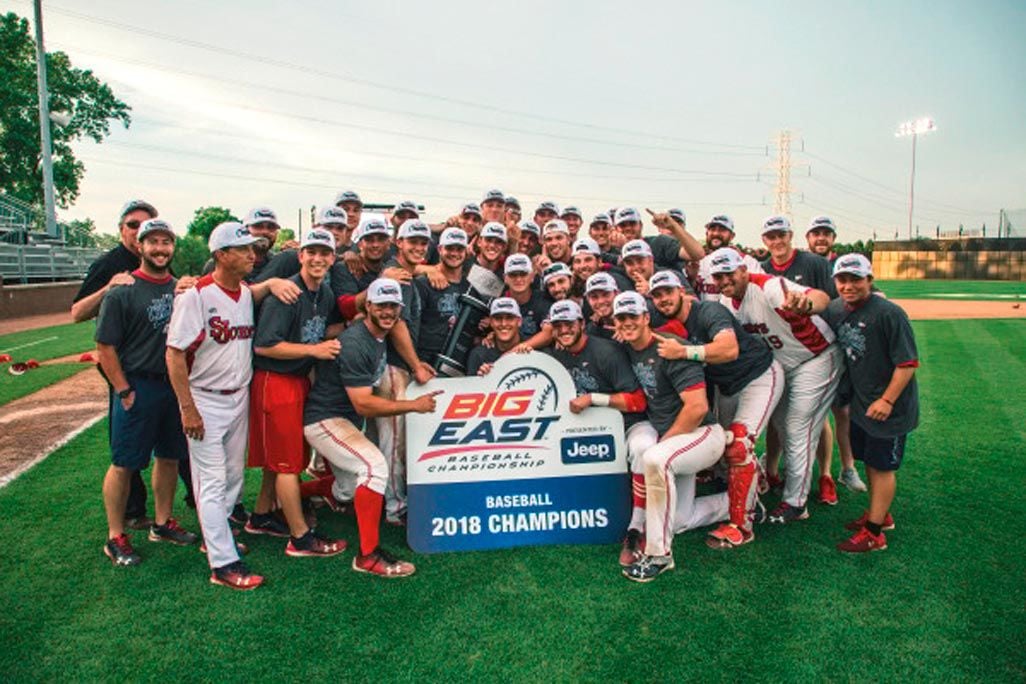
(160, 377)
(219, 391)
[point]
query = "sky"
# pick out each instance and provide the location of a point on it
(596, 104)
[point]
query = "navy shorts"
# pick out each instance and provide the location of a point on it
(152, 427)
(882, 453)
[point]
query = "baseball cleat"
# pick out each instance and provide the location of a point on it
(383, 564)
(648, 568)
(827, 490)
(774, 482)
(143, 522)
(786, 513)
(313, 544)
(266, 523)
(236, 576)
(728, 536)
(850, 479)
(633, 548)
(120, 551)
(859, 523)
(239, 515)
(172, 532)
(863, 541)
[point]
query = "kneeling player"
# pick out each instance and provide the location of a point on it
(341, 399)
(689, 441)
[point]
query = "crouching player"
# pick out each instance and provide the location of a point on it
(341, 399)
(879, 352)
(689, 441)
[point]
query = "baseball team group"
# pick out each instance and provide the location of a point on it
(302, 360)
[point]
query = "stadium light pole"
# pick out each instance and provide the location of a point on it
(914, 128)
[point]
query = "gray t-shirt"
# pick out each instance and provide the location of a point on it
(705, 321)
(601, 366)
(662, 381)
(133, 319)
(361, 364)
(876, 338)
(303, 322)
(805, 268)
(479, 356)
(411, 314)
(438, 315)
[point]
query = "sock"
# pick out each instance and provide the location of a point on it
(638, 498)
(873, 527)
(368, 504)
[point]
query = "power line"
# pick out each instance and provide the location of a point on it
(140, 30)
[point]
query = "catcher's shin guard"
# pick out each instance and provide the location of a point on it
(741, 477)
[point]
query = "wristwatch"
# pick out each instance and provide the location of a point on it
(123, 394)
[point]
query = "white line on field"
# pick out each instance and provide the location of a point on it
(10, 477)
(28, 344)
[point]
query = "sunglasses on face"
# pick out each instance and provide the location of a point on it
(134, 225)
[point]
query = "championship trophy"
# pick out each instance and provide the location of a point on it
(484, 287)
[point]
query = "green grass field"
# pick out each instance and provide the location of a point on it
(1000, 290)
(14, 387)
(43, 344)
(945, 602)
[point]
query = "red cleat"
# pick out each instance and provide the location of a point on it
(827, 490)
(858, 524)
(728, 536)
(32, 363)
(863, 541)
(5, 358)
(236, 576)
(86, 358)
(383, 564)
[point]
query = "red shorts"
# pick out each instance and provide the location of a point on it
(276, 422)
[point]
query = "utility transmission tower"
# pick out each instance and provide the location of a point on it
(782, 170)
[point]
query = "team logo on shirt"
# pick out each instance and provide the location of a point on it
(313, 330)
(223, 332)
(584, 381)
(644, 371)
(853, 339)
(159, 311)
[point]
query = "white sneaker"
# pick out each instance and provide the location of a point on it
(850, 479)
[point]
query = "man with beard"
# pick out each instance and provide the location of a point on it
(639, 265)
(748, 383)
(719, 232)
(585, 261)
(820, 237)
(441, 307)
(504, 320)
(341, 400)
(131, 334)
(530, 238)
(557, 279)
(603, 377)
(784, 314)
(546, 211)
(556, 242)
(689, 440)
(289, 339)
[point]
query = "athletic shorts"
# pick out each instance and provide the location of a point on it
(153, 426)
(276, 422)
(882, 453)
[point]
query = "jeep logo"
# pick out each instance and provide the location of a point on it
(597, 449)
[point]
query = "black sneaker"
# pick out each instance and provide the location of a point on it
(313, 544)
(266, 523)
(143, 522)
(120, 551)
(786, 513)
(236, 576)
(648, 568)
(239, 515)
(172, 532)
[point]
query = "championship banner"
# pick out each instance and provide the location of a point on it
(503, 462)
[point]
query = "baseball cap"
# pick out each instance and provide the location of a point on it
(529, 226)
(663, 279)
(625, 214)
(822, 222)
(630, 303)
(855, 264)
(635, 248)
(518, 263)
(261, 215)
(318, 238)
(453, 237)
(601, 218)
(548, 206)
(155, 225)
(494, 195)
(572, 211)
(721, 220)
(556, 226)
(373, 226)
(136, 205)
(566, 310)
(555, 270)
(332, 216)
(348, 196)
(586, 245)
(471, 208)
(512, 201)
(406, 205)
(774, 223)
(492, 229)
(678, 214)
(413, 228)
(600, 282)
(504, 306)
(725, 260)
(385, 291)
(230, 234)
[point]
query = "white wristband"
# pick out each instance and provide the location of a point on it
(599, 399)
(694, 352)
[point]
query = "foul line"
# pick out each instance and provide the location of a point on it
(10, 477)
(29, 344)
